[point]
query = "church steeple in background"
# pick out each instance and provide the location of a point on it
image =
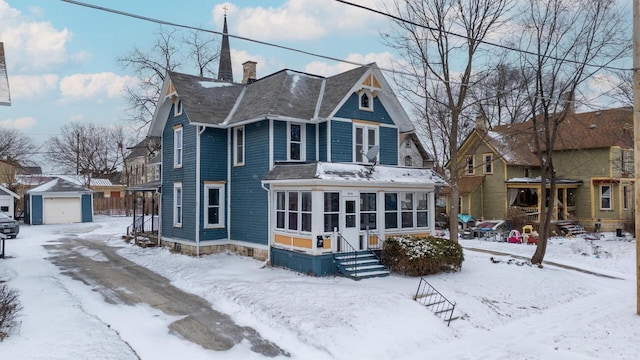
(224, 68)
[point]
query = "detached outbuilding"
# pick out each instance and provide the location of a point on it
(7, 201)
(57, 202)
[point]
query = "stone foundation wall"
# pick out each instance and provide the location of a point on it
(189, 249)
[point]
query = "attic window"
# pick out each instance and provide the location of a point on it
(178, 108)
(366, 101)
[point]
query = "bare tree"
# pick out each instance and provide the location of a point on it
(170, 52)
(425, 38)
(86, 149)
(16, 147)
(569, 40)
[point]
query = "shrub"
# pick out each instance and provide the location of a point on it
(421, 256)
(9, 308)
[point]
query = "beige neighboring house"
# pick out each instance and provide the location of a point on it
(142, 165)
(593, 158)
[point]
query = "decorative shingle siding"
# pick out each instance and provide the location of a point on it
(388, 146)
(279, 140)
(322, 141)
(213, 167)
(87, 208)
(351, 110)
(311, 142)
(249, 206)
(186, 174)
(341, 141)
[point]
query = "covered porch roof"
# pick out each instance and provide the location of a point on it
(537, 180)
(348, 173)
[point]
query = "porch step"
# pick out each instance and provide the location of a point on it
(361, 265)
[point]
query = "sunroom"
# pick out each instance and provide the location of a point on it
(321, 209)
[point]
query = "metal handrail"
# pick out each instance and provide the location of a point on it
(350, 252)
(439, 305)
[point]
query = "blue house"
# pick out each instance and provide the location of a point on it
(293, 168)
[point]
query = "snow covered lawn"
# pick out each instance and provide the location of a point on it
(506, 311)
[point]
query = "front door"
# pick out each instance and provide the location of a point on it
(349, 223)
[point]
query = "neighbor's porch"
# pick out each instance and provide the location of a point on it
(523, 199)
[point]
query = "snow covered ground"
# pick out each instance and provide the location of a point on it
(507, 310)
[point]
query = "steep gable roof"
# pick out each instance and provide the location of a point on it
(286, 94)
(589, 130)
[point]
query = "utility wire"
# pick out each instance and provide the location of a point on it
(400, 19)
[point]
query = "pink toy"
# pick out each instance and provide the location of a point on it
(514, 237)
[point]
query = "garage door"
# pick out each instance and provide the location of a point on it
(62, 210)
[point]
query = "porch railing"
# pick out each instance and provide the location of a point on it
(348, 254)
(428, 296)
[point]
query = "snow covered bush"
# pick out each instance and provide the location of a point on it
(9, 308)
(417, 256)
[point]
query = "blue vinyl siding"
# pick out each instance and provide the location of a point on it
(186, 174)
(36, 209)
(322, 141)
(249, 212)
(213, 167)
(87, 208)
(341, 141)
(388, 146)
(318, 265)
(350, 110)
(311, 142)
(279, 140)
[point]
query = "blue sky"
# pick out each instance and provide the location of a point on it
(61, 57)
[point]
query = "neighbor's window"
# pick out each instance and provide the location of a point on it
(238, 135)
(177, 147)
(296, 142)
(365, 137)
(331, 211)
(177, 204)
(367, 211)
(625, 197)
(470, 166)
(214, 205)
(488, 164)
(605, 197)
(407, 161)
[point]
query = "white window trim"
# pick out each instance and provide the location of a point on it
(370, 96)
(288, 211)
(235, 146)
(610, 197)
(177, 109)
(303, 143)
(178, 133)
(221, 206)
(177, 215)
(365, 141)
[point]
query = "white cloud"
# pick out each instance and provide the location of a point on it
(299, 19)
(85, 86)
(76, 118)
(20, 123)
(31, 45)
(239, 57)
(384, 60)
(29, 87)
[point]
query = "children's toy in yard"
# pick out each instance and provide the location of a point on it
(514, 237)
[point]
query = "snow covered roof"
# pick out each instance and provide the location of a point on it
(343, 172)
(59, 185)
(38, 179)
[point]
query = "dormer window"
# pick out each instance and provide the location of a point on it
(178, 108)
(366, 101)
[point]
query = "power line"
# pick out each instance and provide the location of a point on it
(398, 18)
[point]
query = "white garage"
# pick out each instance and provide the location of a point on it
(58, 202)
(7, 201)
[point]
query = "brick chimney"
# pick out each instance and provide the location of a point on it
(569, 102)
(481, 123)
(249, 72)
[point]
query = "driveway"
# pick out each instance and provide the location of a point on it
(121, 281)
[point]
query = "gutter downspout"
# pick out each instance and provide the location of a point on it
(269, 230)
(198, 133)
(228, 193)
